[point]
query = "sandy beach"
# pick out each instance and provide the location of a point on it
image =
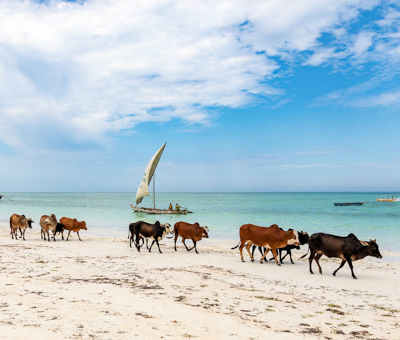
(102, 289)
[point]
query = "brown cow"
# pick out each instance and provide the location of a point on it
(190, 231)
(72, 225)
(48, 223)
(271, 238)
(19, 222)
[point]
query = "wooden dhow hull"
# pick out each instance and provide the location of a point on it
(347, 204)
(153, 211)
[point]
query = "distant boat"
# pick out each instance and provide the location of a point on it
(394, 198)
(143, 189)
(346, 204)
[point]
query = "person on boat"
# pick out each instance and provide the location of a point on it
(177, 207)
(170, 206)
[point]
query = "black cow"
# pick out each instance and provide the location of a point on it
(348, 248)
(303, 239)
(59, 229)
(141, 230)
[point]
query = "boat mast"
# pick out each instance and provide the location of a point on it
(154, 191)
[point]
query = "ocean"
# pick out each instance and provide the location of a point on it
(108, 214)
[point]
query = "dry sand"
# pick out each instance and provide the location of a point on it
(102, 289)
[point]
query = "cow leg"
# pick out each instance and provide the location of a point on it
(248, 250)
(265, 254)
(147, 244)
(150, 245)
(260, 249)
(241, 250)
(351, 266)
(62, 234)
(317, 257)
(69, 232)
(20, 232)
(48, 235)
(12, 233)
(194, 245)
(130, 240)
(79, 236)
(183, 241)
(158, 245)
(194, 242)
(175, 238)
(341, 265)
(137, 242)
(310, 259)
(275, 256)
(253, 249)
(280, 254)
(290, 255)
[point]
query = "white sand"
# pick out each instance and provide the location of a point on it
(102, 289)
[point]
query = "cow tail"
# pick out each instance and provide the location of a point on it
(10, 226)
(306, 253)
(236, 246)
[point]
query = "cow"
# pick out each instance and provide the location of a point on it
(19, 222)
(72, 225)
(141, 230)
(272, 238)
(190, 231)
(30, 221)
(303, 239)
(348, 248)
(47, 224)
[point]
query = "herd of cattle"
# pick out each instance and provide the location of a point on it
(273, 238)
(47, 224)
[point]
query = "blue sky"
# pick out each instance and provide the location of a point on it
(250, 95)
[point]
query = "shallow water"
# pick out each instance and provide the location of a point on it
(109, 213)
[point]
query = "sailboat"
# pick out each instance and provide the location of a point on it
(143, 189)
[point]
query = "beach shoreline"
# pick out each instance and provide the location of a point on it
(101, 288)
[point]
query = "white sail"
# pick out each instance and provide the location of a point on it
(143, 189)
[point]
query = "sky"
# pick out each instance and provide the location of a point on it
(274, 95)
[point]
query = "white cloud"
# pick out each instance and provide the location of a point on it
(102, 66)
(383, 99)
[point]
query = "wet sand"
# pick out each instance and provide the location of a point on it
(102, 289)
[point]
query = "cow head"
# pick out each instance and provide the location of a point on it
(23, 221)
(168, 228)
(373, 249)
(30, 221)
(303, 237)
(52, 219)
(293, 237)
(82, 225)
(205, 232)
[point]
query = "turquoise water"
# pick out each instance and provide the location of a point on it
(109, 213)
